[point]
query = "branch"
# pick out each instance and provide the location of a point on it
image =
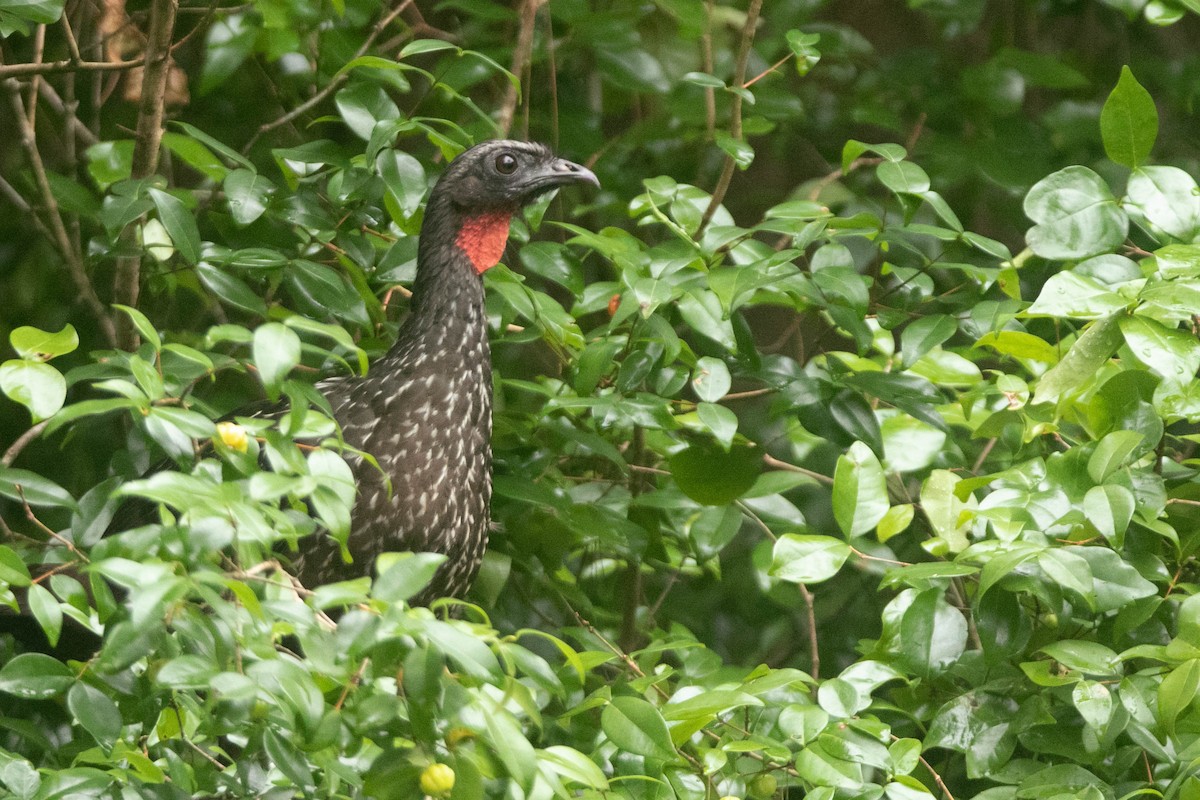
(521, 57)
(147, 138)
(735, 112)
(10, 455)
(333, 84)
(67, 65)
(62, 240)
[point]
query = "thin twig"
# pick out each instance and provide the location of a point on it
(334, 84)
(67, 65)
(355, 680)
(146, 141)
(10, 455)
(811, 619)
(706, 54)
(521, 57)
(772, 461)
(46, 529)
(735, 113)
(62, 240)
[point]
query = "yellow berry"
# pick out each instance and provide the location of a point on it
(437, 780)
(233, 436)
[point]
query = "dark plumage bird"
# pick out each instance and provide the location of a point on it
(425, 409)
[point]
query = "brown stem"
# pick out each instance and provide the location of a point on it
(67, 65)
(333, 84)
(69, 250)
(10, 455)
(811, 620)
(146, 141)
(735, 113)
(522, 54)
(772, 461)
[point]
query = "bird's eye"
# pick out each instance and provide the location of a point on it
(506, 164)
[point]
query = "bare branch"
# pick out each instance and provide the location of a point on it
(735, 113)
(522, 54)
(147, 138)
(62, 240)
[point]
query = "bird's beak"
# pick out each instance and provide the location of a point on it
(559, 172)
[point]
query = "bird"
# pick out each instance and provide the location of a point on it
(424, 410)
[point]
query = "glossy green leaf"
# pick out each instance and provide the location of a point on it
(637, 727)
(1076, 215)
(35, 676)
(38, 345)
(37, 386)
(799, 558)
(713, 477)
(180, 224)
(1128, 122)
(247, 194)
(859, 491)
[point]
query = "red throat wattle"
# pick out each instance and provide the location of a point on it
(483, 239)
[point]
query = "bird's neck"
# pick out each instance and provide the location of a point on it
(454, 251)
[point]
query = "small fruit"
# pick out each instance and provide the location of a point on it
(233, 436)
(437, 780)
(763, 785)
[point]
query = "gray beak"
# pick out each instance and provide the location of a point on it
(559, 172)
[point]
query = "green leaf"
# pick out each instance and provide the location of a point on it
(1076, 216)
(46, 611)
(1128, 122)
(944, 510)
(924, 334)
(1177, 692)
(1112, 452)
(38, 345)
(404, 177)
(276, 352)
(807, 559)
(713, 477)
(1109, 509)
(13, 570)
(710, 379)
(1167, 200)
(903, 177)
(719, 421)
(34, 676)
(143, 325)
(1090, 658)
(37, 386)
(1070, 295)
(859, 491)
(21, 484)
(572, 765)
(635, 726)
(1171, 353)
(403, 575)
(895, 521)
(737, 149)
(932, 634)
(1078, 368)
(180, 224)
(247, 194)
(230, 289)
(97, 713)
(364, 104)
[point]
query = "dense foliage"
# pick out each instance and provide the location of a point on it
(845, 442)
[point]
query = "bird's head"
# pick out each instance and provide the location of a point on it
(490, 182)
